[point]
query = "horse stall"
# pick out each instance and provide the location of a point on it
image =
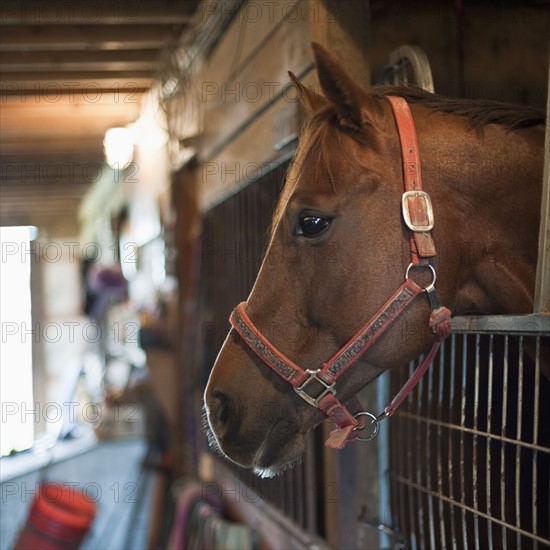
(465, 461)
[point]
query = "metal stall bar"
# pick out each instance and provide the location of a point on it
(439, 435)
(454, 537)
(475, 438)
(503, 431)
(518, 437)
(462, 447)
(454, 499)
(535, 442)
(488, 472)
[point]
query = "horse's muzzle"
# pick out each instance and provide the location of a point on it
(252, 437)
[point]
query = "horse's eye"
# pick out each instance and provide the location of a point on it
(312, 226)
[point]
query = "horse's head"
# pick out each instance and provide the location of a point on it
(337, 252)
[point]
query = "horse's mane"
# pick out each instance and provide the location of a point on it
(479, 112)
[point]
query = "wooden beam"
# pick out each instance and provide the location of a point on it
(30, 200)
(84, 90)
(82, 119)
(43, 191)
(69, 155)
(11, 197)
(77, 76)
(106, 12)
(58, 61)
(32, 115)
(28, 204)
(64, 133)
(38, 178)
(30, 145)
(59, 98)
(42, 220)
(86, 37)
(77, 56)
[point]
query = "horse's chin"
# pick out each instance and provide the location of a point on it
(265, 473)
(260, 467)
(275, 454)
(274, 458)
(270, 460)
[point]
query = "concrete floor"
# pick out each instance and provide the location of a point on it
(110, 474)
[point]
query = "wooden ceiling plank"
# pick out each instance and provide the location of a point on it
(81, 91)
(69, 71)
(128, 67)
(40, 203)
(106, 12)
(12, 127)
(79, 111)
(76, 76)
(86, 145)
(34, 103)
(41, 198)
(75, 133)
(86, 37)
(34, 176)
(106, 60)
(38, 199)
(66, 187)
(65, 156)
(77, 56)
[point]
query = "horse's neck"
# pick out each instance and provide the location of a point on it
(492, 220)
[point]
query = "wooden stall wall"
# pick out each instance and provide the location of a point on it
(243, 142)
(478, 49)
(250, 111)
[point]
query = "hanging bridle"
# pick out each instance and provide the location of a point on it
(317, 387)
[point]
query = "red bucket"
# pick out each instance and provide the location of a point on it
(59, 519)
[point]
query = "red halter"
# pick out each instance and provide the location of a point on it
(317, 387)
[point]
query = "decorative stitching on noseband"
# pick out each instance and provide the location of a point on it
(259, 347)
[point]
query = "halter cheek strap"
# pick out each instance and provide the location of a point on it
(317, 387)
(416, 205)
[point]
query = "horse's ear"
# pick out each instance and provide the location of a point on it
(356, 108)
(310, 100)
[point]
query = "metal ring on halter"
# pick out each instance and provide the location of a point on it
(374, 421)
(432, 269)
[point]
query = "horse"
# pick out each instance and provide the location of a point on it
(346, 233)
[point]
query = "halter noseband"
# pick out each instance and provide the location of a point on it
(317, 387)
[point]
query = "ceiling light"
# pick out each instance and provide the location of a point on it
(118, 146)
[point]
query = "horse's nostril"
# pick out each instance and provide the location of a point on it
(220, 407)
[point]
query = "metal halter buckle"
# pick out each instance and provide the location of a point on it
(314, 401)
(425, 207)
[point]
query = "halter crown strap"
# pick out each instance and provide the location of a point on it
(316, 387)
(416, 204)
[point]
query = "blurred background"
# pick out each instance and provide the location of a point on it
(143, 145)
